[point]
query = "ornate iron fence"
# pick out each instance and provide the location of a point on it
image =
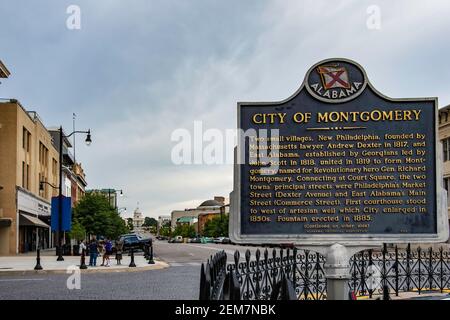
(299, 274)
(400, 271)
(290, 274)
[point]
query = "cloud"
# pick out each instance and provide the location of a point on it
(136, 72)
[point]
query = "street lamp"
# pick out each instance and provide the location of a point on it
(115, 198)
(61, 137)
(124, 209)
(222, 211)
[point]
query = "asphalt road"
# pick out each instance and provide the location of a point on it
(180, 281)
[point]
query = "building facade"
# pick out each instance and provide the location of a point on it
(206, 208)
(110, 194)
(162, 221)
(138, 219)
(28, 157)
(444, 137)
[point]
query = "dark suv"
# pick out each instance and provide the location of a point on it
(134, 241)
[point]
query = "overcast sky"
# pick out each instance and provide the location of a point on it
(137, 70)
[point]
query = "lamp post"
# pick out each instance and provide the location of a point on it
(115, 198)
(61, 137)
(222, 211)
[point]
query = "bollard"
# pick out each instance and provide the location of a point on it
(83, 260)
(146, 250)
(38, 260)
(150, 255)
(386, 295)
(132, 264)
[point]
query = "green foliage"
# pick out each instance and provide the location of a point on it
(217, 227)
(98, 217)
(149, 222)
(165, 231)
(130, 224)
(185, 230)
(78, 232)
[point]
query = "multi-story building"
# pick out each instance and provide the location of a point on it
(28, 157)
(68, 160)
(206, 208)
(444, 136)
(4, 72)
(162, 221)
(138, 219)
(74, 179)
(203, 218)
(78, 183)
(110, 194)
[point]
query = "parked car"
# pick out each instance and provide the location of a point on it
(207, 240)
(195, 240)
(134, 241)
(177, 239)
(221, 240)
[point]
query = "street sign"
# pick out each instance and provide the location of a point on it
(338, 162)
(66, 214)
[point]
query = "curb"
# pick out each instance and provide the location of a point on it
(157, 266)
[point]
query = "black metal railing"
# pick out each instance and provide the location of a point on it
(212, 277)
(290, 274)
(299, 274)
(400, 270)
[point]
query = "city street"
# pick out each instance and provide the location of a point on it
(179, 281)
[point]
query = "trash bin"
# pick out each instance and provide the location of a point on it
(67, 250)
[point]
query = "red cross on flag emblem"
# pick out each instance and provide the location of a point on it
(334, 77)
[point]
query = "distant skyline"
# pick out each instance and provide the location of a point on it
(136, 71)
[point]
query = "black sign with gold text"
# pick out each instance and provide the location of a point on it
(342, 159)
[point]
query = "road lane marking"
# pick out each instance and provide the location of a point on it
(9, 280)
(212, 248)
(185, 264)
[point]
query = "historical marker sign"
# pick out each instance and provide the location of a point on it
(344, 164)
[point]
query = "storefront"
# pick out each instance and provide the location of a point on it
(34, 215)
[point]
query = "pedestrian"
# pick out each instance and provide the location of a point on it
(93, 252)
(108, 252)
(82, 247)
(119, 251)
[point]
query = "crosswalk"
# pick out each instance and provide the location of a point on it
(185, 264)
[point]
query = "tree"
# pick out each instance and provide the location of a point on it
(98, 217)
(165, 231)
(216, 227)
(130, 224)
(78, 232)
(184, 230)
(150, 222)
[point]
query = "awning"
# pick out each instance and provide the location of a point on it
(30, 221)
(186, 219)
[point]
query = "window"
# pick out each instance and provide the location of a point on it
(39, 184)
(446, 181)
(28, 177)
(445, 149)
(26, 138)
(54, 166)
(23, 174)
(43, 154)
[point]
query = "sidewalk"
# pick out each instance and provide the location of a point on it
(24, 264)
